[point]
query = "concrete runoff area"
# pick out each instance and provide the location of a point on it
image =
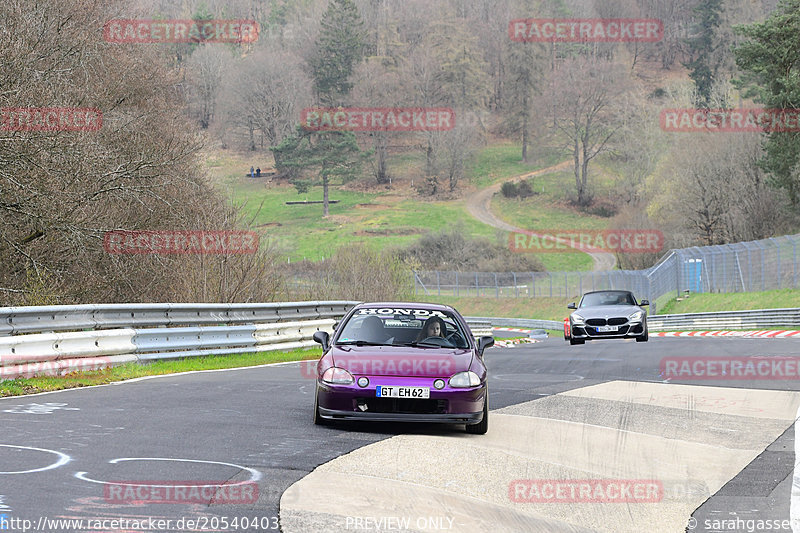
(689, 439)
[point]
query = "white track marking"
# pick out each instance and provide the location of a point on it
(255, 475)
(62, 459)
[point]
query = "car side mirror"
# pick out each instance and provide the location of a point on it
(572, 306)
(322, 337)
(484, 342)
(644, 302)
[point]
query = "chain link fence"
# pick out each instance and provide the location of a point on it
(741, 267)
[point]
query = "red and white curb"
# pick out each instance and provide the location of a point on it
(509, 343)
(515, 330)
(775, 333)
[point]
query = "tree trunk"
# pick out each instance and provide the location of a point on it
(584, 171)
(429, 159)
(380, 151)
(325, 196)
(525, 132)
(576, 154)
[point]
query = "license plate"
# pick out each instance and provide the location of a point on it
(382, 391)
(606, 329)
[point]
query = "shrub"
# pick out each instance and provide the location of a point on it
(509, 189)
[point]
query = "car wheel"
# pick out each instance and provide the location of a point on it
(483, 426)
(643, 338)
(318, 420)
(576, 341)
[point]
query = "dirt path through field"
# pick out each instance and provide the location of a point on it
(479, 206)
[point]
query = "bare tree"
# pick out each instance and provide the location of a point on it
(60, 191)
(376, 83)
(637, 149)
(265, 95)
(205, 71)
(715, 191)
(584, 92)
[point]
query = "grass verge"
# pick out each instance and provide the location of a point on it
(540, 308)
(19, 386)
(736, 301)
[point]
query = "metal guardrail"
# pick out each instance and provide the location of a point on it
(755, 319)
(479, 326)
(527, 323)
(17, 320)
(48, 348)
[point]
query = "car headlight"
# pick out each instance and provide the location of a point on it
(337, 376)
(465, 379)
(637, 316)
(578, 319)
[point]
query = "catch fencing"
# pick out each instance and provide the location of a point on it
(741, 267)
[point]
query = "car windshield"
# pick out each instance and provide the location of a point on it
(405, 326)
(593, 299)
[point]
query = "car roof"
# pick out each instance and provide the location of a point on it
(417, 305)
(608, 290)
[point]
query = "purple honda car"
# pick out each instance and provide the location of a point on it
(411, 362)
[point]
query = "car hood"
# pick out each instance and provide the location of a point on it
(608, 311)
(401, 360)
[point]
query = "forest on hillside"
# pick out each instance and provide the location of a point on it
(597, 104)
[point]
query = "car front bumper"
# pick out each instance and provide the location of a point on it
(630, 330)
(448, 405)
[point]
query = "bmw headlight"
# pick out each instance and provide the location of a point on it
(337, 376)
(465, 379)
(576, 318)
(636, 317)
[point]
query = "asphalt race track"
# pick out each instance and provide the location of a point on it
(600, 410)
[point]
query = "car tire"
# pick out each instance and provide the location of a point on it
(318, 420)
(573, 342)
(643, 338)
(483, 426)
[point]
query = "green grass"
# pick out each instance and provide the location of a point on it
(377, 220)
(548, 211)
(556, 308)
(737, 301)
(540, 308)
(501, 161)
(397, 217)
(34, 385)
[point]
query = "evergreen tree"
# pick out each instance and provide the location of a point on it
(703, 45)
(770, 60)
(525, 65)
(340, 46)
(333, 155)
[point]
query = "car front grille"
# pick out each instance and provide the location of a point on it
(616, 321)
(402, 405)
(594, 333)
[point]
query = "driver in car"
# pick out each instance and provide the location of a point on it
(433, 327)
